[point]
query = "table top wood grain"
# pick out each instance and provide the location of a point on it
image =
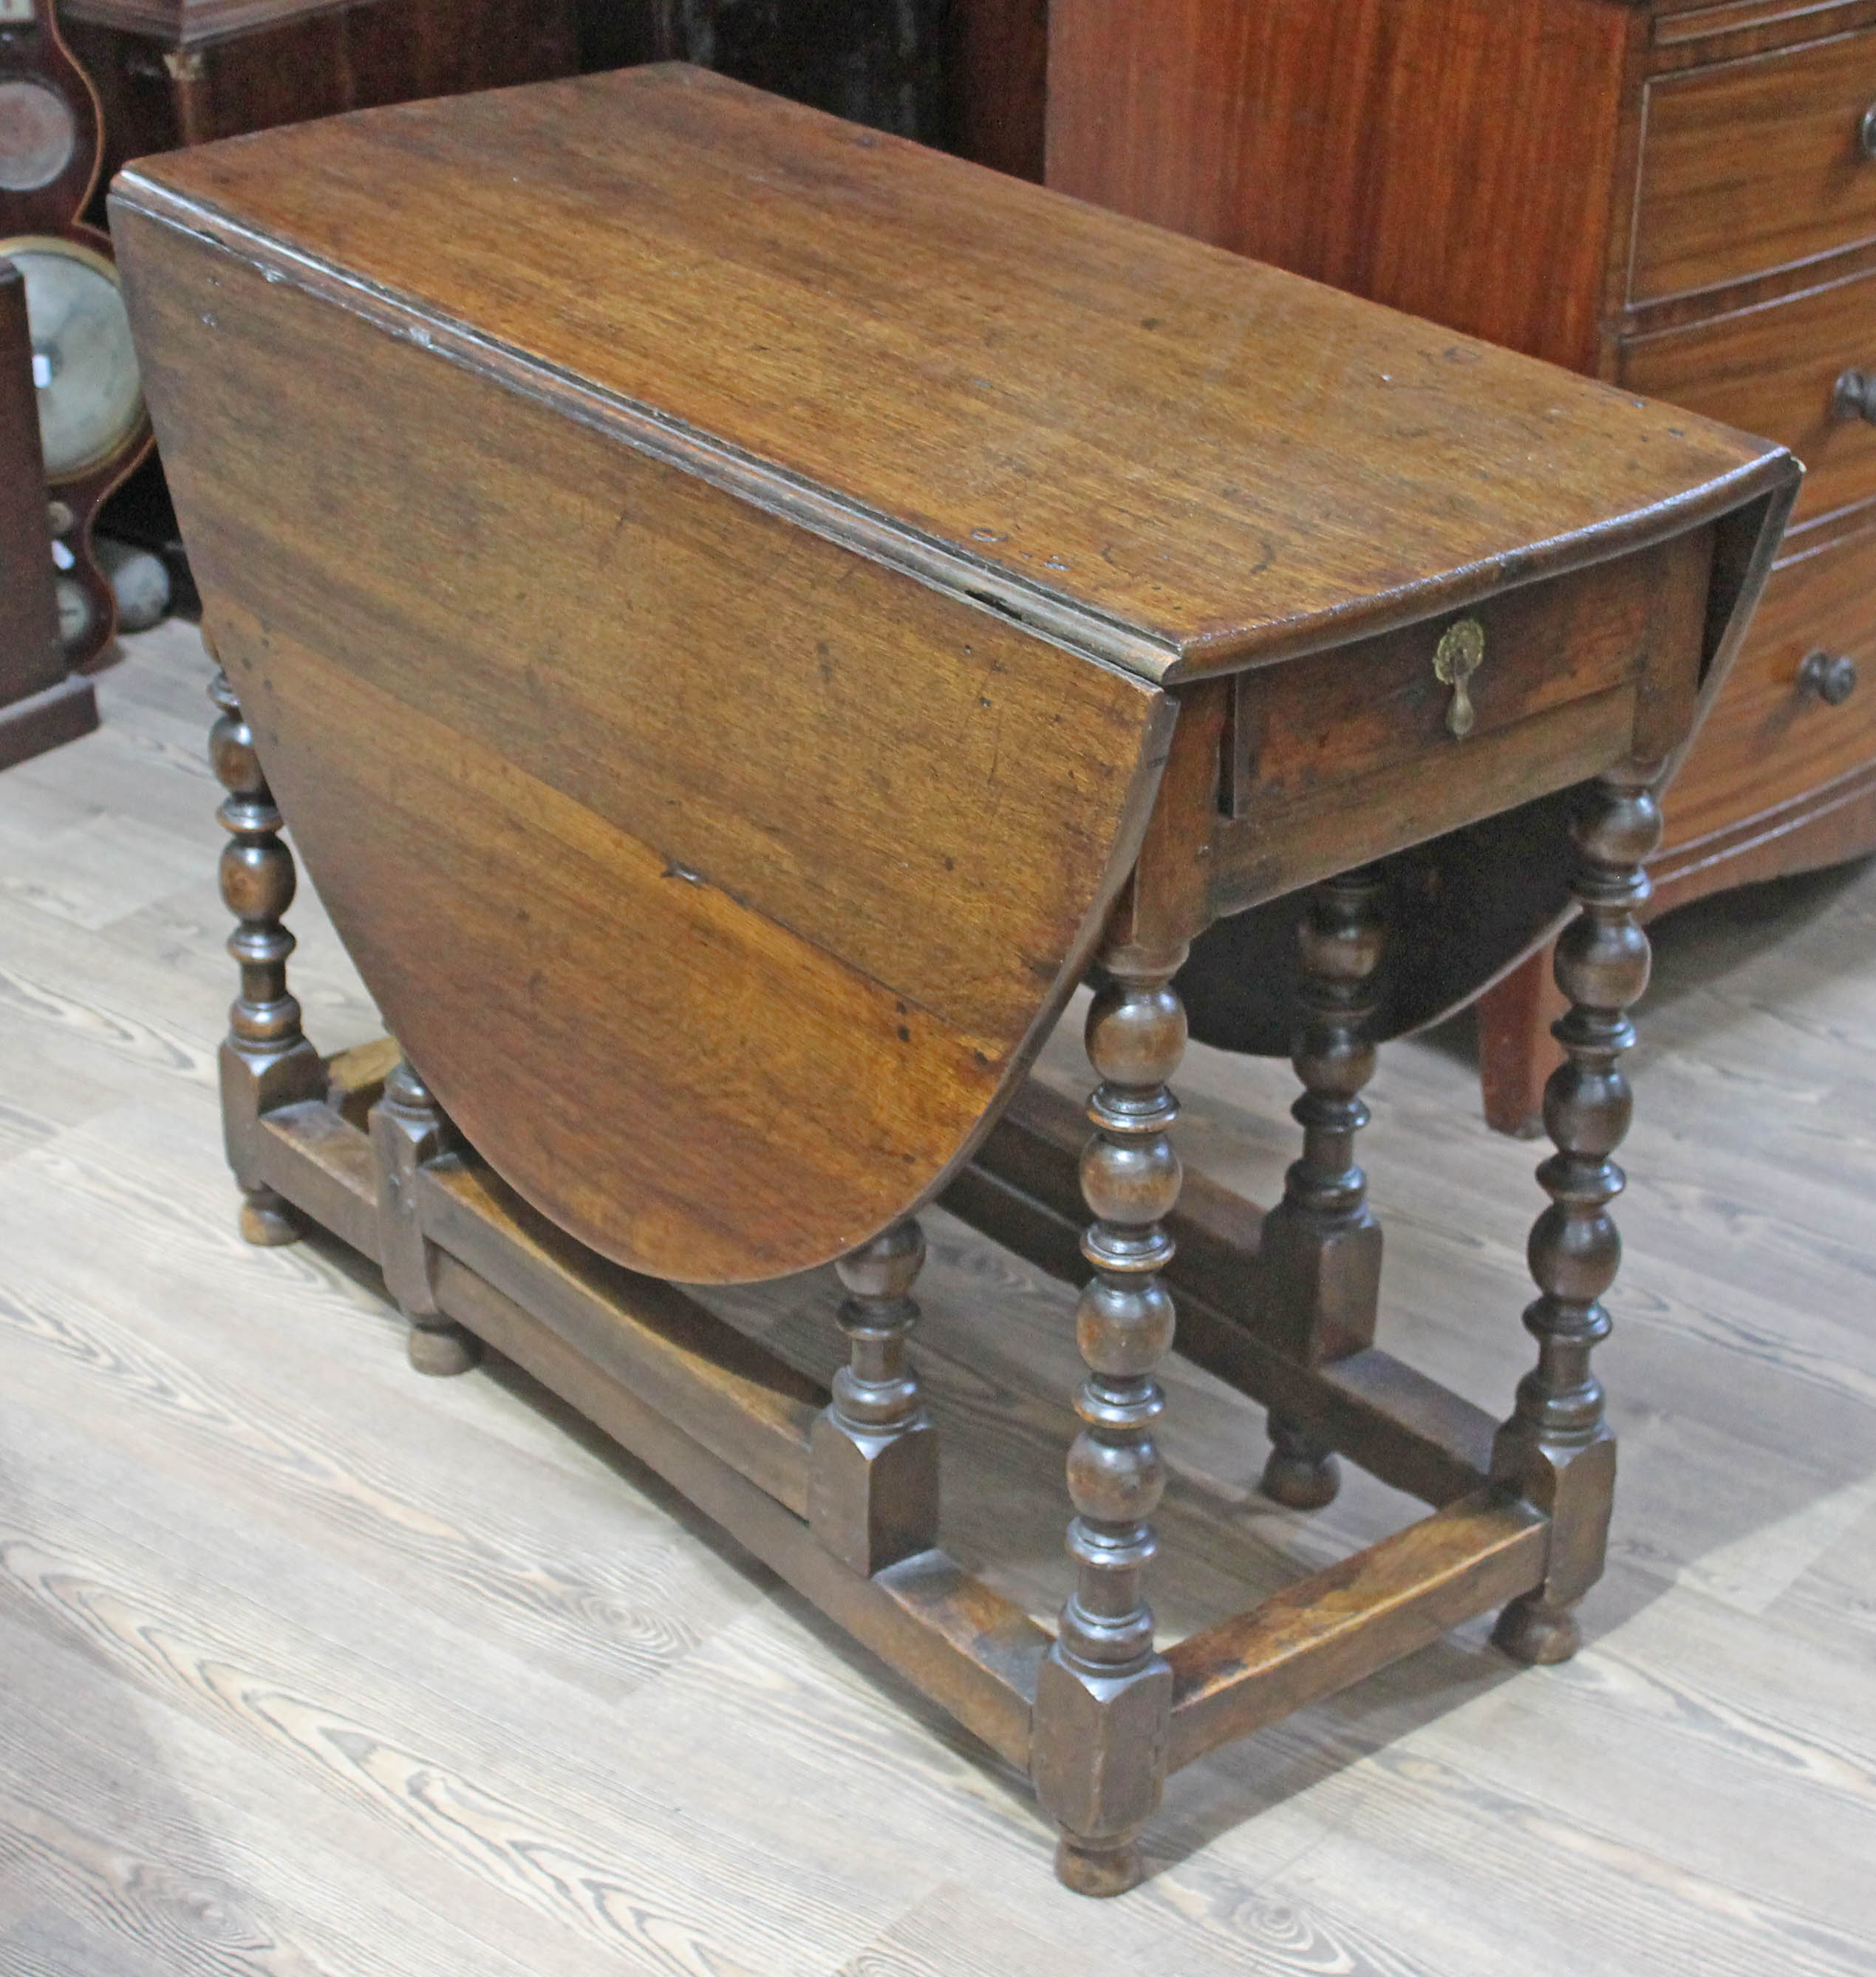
(1163, 453)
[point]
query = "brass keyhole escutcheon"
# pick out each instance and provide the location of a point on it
(1458, 655)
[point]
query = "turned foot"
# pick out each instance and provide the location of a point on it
(1537, 1635)
(1097, 1868)
(267, 1220)
(441, 1350)
(1302, 1473)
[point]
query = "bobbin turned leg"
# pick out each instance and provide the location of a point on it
(1320, 1251)
(265, 1061)
(1104, 1698)
(408, 1127)
(1557, 1451)
(873, 1479)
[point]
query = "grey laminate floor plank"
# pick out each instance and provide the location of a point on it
(243, 1870)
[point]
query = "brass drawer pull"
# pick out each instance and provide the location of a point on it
(1854, 396)
(1831, 676)
(1458, 655)
(1866, 132)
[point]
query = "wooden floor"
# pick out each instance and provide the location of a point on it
(307, 1664)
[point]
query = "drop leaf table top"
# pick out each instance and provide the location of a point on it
(713, 583)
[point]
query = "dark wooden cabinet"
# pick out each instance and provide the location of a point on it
(176, 72)
(41, 704)
(889, 67)
(78, 391)
(1679, 199)
(173, 73)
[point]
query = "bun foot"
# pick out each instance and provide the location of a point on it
(1091, 1869)
(268, 1220)
(442, 1350)
(1302, 1473)
(1537, 1635)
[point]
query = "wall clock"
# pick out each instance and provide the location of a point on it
(93, 428)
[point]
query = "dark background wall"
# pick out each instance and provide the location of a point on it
(964, 74)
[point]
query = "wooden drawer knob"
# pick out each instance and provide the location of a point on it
(1831, 676)
(1854, 396)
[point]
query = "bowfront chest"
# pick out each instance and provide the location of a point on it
(740, 615)
(1679, 199)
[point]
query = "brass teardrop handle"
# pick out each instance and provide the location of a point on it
(1458, 655)
(1831, 676)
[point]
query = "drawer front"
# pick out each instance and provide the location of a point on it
(1772, 735)
(1336, 757)
(1773, 370)
(1754, 165)
(1679, 21)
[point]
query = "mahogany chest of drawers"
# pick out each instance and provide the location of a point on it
(1679, 199)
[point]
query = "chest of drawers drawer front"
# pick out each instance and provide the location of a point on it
(1754, 165)
(1773, 734)
(1774, 371)
(1677, 22)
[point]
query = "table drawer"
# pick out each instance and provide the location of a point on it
(1774, 370)
(1772, 735)
(1323, 765)
(1754, 165)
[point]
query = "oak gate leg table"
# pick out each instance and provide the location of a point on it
(743, 615)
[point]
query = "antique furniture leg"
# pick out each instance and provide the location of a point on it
(873, 1479)
(1104, 1698)
(1301, 1471)
(265, 1061)
(1516, 1052)
(1556, 1450)
(408, 1127)
(1321, 1246)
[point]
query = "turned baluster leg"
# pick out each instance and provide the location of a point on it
(1104, 1699)
(873, 1476)
(408, 1127)
(1320, 1252)
(1556, 1450)
(265, 1061)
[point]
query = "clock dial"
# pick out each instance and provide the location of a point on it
(91, 400)
(38, 135)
